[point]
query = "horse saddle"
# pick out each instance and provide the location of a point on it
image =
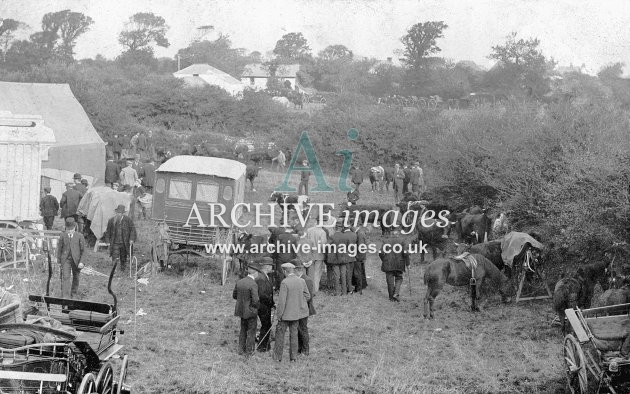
(468, 259)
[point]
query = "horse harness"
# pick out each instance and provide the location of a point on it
(471, 263)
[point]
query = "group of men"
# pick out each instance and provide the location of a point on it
(49, 206)
(405, 179)
(254, 297)
(140, 143)
(137, 177)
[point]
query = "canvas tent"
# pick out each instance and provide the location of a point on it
(78, 147)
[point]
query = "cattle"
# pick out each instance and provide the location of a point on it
(291, 201)
(353, 197)
(241, 151)
(377, 174)
(251, 172)
(372, 214)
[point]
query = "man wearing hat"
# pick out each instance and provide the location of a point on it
(70, 202)
(303, 337)
(304, 178)
(284, 242)
(407, 178)
(247, 303)
(343, 262)
(69, 255)
(112, 172)
(78, 185)
(394, 265)
(265, 294)
(292, 306)
(147, 174)
(48, 208)
(399, 178)
(121, 235)
(416, 179)
(128, 176)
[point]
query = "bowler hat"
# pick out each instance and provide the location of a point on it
(70, 223)
(120, 208)
(264, 261)
(76, 176)
(254, 266)
(47, 189)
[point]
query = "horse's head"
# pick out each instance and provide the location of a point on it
(275, 197)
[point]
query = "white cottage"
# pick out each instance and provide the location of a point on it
(204, 74)
(24, 144)
(256, 76)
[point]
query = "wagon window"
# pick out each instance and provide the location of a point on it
(207, 192)
(159, 185)
(180, 189)
(227, 193)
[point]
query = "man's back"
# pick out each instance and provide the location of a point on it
(70, 202)
(246, 295)
(292, 300)
(112, 171)
(286, 243)
(343, 253)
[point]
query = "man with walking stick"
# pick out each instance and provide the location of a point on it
(265, 294)
(247, 302)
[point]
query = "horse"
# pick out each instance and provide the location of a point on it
(461, 273)
(290, 201)
(578, 289)
(253, 246)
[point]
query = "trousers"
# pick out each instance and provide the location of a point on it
(48, 222)
(315, 272)
(349, 273)
(357, 275)
(303, 188)
(69, 288)
(247, 336)
(281, 329)
(303, 338)
(394, 280)
(339, 277)
(264, 314)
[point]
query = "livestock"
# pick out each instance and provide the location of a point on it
(578, 289)
(473, 228)
(615, 296)
(241, 151)
(462, 271)
(259, 157)
(251, 172)
(377, 175)
(290, 201)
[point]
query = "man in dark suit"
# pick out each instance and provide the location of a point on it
(265, 294)
(345, 250)
(78, 186)
(112, 170)
(303, 337)
(117, 146)
(292, 306)
(394, 264)
(121, 235)
(70, 202)
(356, 176)
(406, 179)
(285, 243)
(358, 276)
(69, 255)
(48, 208)
(247, 302)
(147, 174)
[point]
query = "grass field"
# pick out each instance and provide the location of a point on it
(186, 342)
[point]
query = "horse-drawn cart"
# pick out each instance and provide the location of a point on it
(592, 350)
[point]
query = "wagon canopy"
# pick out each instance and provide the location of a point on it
(224, 168)
(98, 206)
(512, 245)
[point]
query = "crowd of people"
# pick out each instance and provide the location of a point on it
(404, 179)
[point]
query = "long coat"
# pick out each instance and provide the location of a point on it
(343, 238)
(112, 171)
(288, 253)
(74, 247)
(147, 173)
(48, 206)
(395, 261)
(293, 299)
(128, 233)
(246, 295)
(69, 203)
(309, 286)
(265, 290)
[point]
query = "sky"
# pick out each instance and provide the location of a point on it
(593, 33)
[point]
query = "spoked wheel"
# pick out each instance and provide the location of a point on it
(575, 365)
(105, 379)
(6, 249)
(120, 387)
(88, 385)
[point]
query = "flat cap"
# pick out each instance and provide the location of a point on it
(287, 265)
(76, 176)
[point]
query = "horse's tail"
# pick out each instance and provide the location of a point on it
(561, 297)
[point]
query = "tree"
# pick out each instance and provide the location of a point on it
(611, 71)
(218, 53)
(420, 43)
(292, 47)
(336, 52)
(8, 27)
(71, 26)
(143, 30)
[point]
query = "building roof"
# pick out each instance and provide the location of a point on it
(224, 168)
(260, 71)
(206, 69)
(56, 104)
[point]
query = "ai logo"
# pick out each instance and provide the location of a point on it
(306, 145)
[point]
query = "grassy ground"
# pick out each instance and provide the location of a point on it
(186, 342)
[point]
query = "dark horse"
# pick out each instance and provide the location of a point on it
(458, 273)
(578, 289)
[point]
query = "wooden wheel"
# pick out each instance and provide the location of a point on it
(575, 365)
(105, 379)
(88, 385)
(6, 249)
(123, 376)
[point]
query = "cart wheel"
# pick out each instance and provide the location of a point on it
(6, 249)
(88, 385)
(576, 367)
(123, 375)
(105, 379)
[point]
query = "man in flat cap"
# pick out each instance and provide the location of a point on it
(265, 294)
(303, 337)
(69, 255)
(247, 303)
(121, 235)
(292, 306)
(48, 208)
